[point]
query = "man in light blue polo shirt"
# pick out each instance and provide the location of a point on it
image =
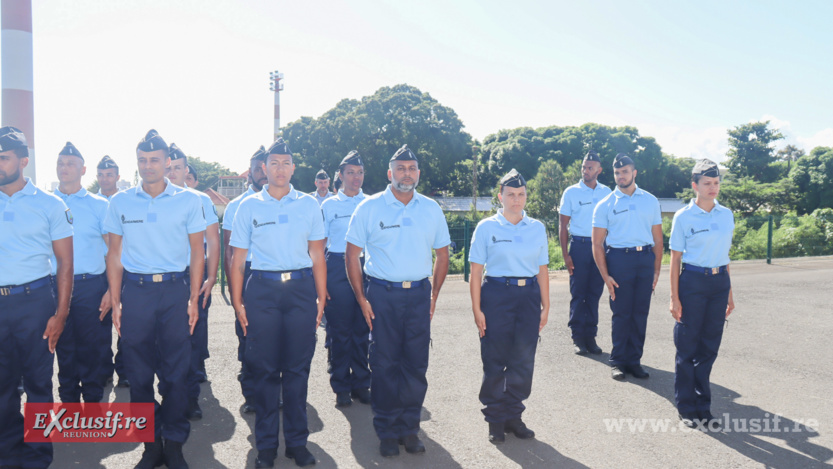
(627, 247)
(283, 304)
(199, 339)
(79, 350)
(33, 225)
(322, 187)
(586, 285)
(107, 175)
(347, 331)
(257, 179)
(398, 229)
(152, 226)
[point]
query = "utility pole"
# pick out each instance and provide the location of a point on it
(17, 74)
(475, 155)
(276, 85)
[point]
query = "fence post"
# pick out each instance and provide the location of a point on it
(466, 242)
(769, 242)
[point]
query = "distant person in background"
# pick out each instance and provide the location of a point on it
(337, 183)
(586, 284)
(322, 187)
(107, 175)
(192, 179)
(701, 295)
(511, 305)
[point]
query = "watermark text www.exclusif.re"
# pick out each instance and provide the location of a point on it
(726, 424)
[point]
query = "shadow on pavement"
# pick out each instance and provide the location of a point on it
(217, 425)
(535, 453)
(749, 427)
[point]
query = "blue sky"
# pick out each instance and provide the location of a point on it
(197, 71)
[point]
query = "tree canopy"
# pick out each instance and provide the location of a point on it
(751, 152)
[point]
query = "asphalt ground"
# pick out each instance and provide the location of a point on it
(774, 364)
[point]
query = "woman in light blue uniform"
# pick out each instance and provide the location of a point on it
(701, 295)
(511, 305)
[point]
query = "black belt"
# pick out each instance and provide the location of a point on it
(337, 254)
(78, 277)
(515, 281)
(583, 239)
(705, 270)
(25, 288)
(405, 285)
(646, 248)
(155, 278)
(283, 276)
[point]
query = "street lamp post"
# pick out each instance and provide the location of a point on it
(276, 85)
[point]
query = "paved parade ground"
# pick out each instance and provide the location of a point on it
(773, 372)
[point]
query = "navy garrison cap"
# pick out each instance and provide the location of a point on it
(279, 148)
(513, 179)
(321, 174)
(107, 163)
(259, 155)
(404, 154)
(351, 158)
(622, 159)
(706, 167)
(176, 153)
(152, 142)
(69, 149)
(592, 156)
(193, 171)
(12, 138)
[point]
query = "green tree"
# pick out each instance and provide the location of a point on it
(545, 191)
(209, 172)
(790, 154)
(745, 196)
(377, 126)
(812, 177)
(94, 187)
(751, 152)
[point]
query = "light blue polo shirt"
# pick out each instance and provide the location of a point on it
(703, 237)
(155, 230)
(31, 219)
(231, 209)
(208, 207)
(277, 232)
(509, 250)
(89, 212)
(104, 196)
(319, 199)
(337, 212)
(398, 238)
(628, 219)
(578, 202)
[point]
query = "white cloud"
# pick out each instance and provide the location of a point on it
(706, 142)
(822, 138)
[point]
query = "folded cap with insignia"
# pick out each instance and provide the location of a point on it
(592, 156)
(279, 148)
(176, 153)
(707, 168)
(107, 163)
(404, 154)
(12, 138)
(513, 179)
(622, 159)
(259, 155)
(193, 171)
(351, 158)
(69, 149)
(321, 174)
(152, 142)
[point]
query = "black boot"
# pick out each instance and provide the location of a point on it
(152, 456)
(496, 430)
(173, 455)
(518, 428)
(592, 346)
(266, 458)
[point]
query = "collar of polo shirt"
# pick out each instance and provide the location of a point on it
(170, 189)
(503, 221)
(342, 196)
(292, 194)
(717, 207)
(391, 199)
(619, 194)
(29, 188)
(80, 193)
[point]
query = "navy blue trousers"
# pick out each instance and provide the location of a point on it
(156, 336)
(280, 342)
(697, 337)
(513, 316)
(24, 353)
(79, 348)
(347, 333)
(109, 362)
(246, 379)
(399, 357)
(634, 272)
(199, 349)
(586, 286)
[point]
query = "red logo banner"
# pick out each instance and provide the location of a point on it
(88, 422)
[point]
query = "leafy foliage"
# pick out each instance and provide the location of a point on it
(751, 152)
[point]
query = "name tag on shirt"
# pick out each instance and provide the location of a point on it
(283, 218)
(8, 216)
(632, 207)
(406, 221)
(151, 217)
(715, 227)
(519, 239)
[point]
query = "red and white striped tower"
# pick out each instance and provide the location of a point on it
(16, 41)
(276, 86)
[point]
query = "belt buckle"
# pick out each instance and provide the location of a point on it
(639, 249)
(522, 282)
(286, 276)
(715, 270)
(156, 278)
(5, 291)
(406, 284)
